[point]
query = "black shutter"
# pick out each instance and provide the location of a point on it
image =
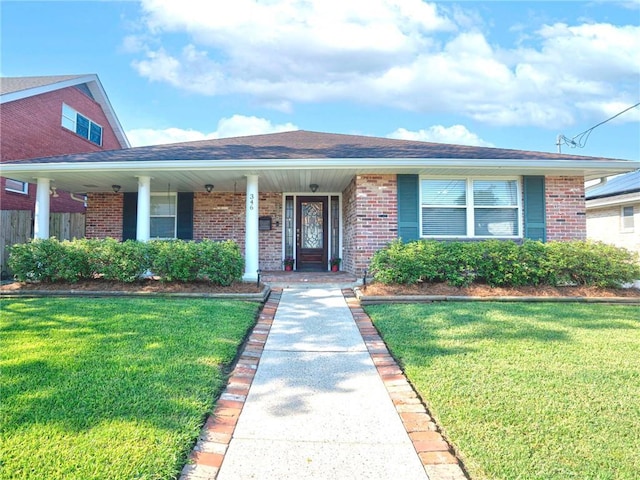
(535, 227)
(129, 216)
(185, 216)
(408, 207)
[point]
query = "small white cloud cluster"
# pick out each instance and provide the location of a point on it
(456, 134)
(235, 126)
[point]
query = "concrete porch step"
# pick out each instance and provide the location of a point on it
(283, 279)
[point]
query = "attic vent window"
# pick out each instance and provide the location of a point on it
(627, 219)
(83, 126)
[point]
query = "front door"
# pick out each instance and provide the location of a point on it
(311, 233)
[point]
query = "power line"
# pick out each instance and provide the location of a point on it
(584, 136)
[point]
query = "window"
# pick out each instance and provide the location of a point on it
(163, 216)
(470, 207)
(16, 186)
(626, 219)
(83, 126)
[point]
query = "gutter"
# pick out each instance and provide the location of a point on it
(319, 163)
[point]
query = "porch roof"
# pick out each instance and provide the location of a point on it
(291, 161)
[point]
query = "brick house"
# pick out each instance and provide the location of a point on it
(613, 211)
(52, 115)
(312, 196)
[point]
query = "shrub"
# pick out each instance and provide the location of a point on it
(458, 261)
(220, 263)
(590, 263)
(505, 263)
(121, 261)
(49, 260)
(174, 260)
(395, 264)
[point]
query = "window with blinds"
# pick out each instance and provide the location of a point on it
(470, 207)
(83, 126)
(163, 216)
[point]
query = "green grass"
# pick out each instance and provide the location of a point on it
(110, 388)
(526, 391)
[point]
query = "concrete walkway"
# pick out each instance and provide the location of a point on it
(317, 406)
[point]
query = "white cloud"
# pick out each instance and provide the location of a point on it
(235, 126)
(399, 53)
(455, 134)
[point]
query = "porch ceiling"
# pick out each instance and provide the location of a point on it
(285, 175)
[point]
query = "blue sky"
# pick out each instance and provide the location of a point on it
(509, 74)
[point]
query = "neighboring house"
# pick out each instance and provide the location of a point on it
(52, 115)
(613, 211)
(47, 116)
(313, 196)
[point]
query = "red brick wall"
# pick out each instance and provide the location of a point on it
(271, 240)
(370, 211)
(349, 227)
(220, 216)
(104, 215)
(31, 128)
(17, 201)
(565, 208)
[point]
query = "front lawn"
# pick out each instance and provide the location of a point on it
(526, 391)
(110, 388)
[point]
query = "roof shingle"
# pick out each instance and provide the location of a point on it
(17, 84)
(301, 144)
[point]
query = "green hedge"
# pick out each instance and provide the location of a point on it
(50, 260)
(505, 263)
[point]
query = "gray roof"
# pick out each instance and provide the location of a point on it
(627, 183)
(17, 84)
(303, 144)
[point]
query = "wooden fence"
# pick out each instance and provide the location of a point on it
(16, 226)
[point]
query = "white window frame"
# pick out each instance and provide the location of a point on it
(70, 122)
(175, 215)
(24, 190)
(624, 228)
(470, 207)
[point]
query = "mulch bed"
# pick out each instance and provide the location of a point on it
(375, 289)
(480, 290)
(146, 286)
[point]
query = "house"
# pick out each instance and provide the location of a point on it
(53, 115)
(313, 196)
(613, 211)
(47, 116)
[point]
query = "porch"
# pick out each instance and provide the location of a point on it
(283, 279)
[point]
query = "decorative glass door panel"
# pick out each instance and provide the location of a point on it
(312, 224)
(311, 233)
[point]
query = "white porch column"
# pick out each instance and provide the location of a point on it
(143, 225)
(251, 241)
(41, 220)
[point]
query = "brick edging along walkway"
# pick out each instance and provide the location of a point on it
(436, 454)
(207, 456)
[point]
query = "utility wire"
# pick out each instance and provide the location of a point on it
(584, 136)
